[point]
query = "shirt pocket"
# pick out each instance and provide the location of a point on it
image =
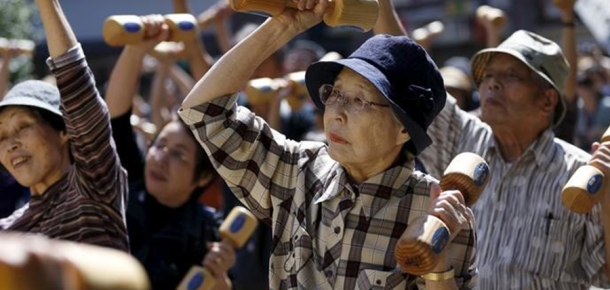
(554, 245)
(369, 279)
(301, 252)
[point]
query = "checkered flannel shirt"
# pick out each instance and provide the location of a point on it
(327, 233)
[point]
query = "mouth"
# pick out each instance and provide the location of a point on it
(157, 176)
(337, 139)
(19, 161)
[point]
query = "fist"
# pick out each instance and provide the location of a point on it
(449, 206)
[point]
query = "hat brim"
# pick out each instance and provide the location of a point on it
(480, 60)
(29, 102)
(325, 72)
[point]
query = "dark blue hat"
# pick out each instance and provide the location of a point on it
(404, 74)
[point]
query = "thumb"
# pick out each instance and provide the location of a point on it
(594, 146)
(435, 191)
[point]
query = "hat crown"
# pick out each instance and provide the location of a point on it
(542, 54)
(38, 90)
(416, 85)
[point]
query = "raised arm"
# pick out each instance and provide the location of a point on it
(4, 74)
(239, 63)
(388, 21)
(86, 117)
(199, 59)
(123, 83)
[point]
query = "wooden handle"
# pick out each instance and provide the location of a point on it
(119, 30)
(261, 91)
(419, 248)
(198, 278)
(583, 189)
(21, 46)
(494, 16)
(298, 91)
(361, 14)
(35, 262)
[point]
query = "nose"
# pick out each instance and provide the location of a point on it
(337, 113)
(492, 84)
(158, 156)
(13, 145)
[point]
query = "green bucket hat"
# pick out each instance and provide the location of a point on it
(541, 55)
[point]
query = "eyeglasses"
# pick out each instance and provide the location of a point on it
(352, 102)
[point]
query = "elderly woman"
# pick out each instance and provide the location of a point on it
(336, 211)
(59, 144)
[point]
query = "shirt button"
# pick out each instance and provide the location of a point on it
(337, 230)
(378, 282)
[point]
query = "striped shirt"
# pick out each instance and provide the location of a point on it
(527, 239)
(327, 232)
(88, 203)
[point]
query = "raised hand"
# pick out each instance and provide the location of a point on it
(309, 13)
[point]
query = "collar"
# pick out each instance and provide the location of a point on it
(374, 193)
(541, 150)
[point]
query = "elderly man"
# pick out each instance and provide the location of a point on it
(527, 238)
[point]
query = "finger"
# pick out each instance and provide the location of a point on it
(454, 196)
(435, 191)
(302, 4)
(321, 7)
(594, 146)
(310, 4)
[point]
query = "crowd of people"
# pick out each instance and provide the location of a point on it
(336, 156)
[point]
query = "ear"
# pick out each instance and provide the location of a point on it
(548, 102)
(403, 137)
(205, 179)
(63, 137)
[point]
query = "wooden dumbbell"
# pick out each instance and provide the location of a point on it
(298, 90)
(121, 30)
(236, 229)
(263, 90)
(583, 189)
(361, 14)
(419, 248)
(487, 14)
(29, 262)
(21, 46)
(425, 35)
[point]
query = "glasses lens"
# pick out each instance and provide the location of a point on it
(326, 92)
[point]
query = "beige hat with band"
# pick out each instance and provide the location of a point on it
(541, 55)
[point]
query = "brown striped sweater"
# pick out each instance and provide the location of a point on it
(88, 204)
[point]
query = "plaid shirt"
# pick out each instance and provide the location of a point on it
(327, 233)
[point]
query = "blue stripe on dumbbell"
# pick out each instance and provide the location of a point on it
(186, 26)
(238, 223)
(132, 27)
(195, 282)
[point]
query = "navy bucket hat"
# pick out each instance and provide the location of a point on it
(404, 74)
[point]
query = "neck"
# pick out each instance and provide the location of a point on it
(360, 172)
(512, 143)
(51, 178)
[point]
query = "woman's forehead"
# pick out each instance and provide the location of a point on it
(9, 112)
(174, 133)
(351, 80)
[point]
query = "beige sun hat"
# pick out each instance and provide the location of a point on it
(541, 55)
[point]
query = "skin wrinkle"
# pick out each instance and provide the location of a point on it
(47, 149)
(374, 137)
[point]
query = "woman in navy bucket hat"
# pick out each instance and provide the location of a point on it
(336, 210)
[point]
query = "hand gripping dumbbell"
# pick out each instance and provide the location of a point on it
(356, 13)
(494, 16)
(121, 30)
(21, 46)
(236, 229)
(583, 189)
(419, 248)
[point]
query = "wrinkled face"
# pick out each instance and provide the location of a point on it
(170, 166)
(30, 149)
(366, 136)
(509, 94)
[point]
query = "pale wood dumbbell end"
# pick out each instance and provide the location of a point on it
(468, 173)
(22, 46)
(494, 16)
(583, 189)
